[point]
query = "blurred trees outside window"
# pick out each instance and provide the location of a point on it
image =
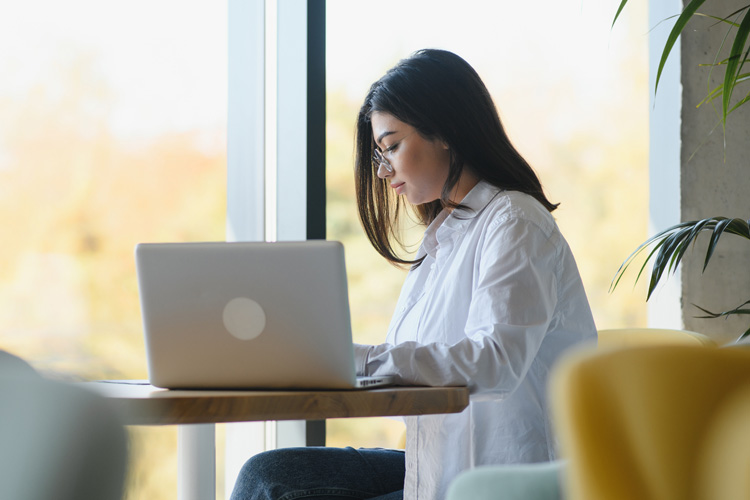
(113, 132)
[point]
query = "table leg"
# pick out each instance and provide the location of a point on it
(196, 462)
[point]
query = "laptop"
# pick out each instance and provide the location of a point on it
(247, 316)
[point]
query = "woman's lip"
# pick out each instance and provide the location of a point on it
(397, 186)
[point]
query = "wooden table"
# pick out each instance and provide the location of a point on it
(141, 404)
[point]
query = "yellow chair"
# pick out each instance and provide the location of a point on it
(628, 337)
(633, 422)
(724, 463)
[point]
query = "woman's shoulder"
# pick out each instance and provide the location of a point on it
(508, 206)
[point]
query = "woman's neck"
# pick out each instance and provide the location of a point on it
(465, 183)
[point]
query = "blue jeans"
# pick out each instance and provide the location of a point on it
(322, 474)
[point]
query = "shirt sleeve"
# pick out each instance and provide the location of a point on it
(513, 301)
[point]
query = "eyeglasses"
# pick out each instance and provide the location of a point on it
(378, 160)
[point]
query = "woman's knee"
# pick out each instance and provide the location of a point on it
(266, 466)
(271, 473)
(256, 478)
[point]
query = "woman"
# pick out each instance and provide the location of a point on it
(492, 299)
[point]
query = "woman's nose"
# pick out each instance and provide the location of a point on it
(384, 171)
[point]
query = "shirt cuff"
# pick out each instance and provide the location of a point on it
(361, 355)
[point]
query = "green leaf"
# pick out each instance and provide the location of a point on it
(718, 231)
(682, 21)
(734, 65)
(736, 311)
(740, 227)
(720, 63)
(669, 256)
(717, 91)
(629, 260)
(619, 9)
(740, 103)
(723, 19)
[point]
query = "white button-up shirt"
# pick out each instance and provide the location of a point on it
(496, 300)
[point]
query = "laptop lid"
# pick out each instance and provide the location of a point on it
(246, 315)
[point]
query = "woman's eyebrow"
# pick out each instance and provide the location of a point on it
(384, 134)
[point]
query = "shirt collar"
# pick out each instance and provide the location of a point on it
(449, 222)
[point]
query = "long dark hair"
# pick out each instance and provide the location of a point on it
(443, 98)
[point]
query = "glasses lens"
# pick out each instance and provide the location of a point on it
(378, 160)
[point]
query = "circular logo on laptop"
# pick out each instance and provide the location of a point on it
(244, 318)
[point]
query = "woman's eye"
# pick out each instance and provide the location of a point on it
(391, 149)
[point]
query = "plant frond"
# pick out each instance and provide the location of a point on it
(722, 19)
(723, 62)
(682, 21)
(725, 19)
(718, 231)
(739, 227)
(725, 314)
(629, 260)
(619, 10)
(717, 91)
(734, 65)
(746, 7)
(658, 239)
(741, 102)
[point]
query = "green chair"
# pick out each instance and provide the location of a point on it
(57, 440)
(508, 482)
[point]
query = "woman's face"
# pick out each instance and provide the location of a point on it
(420, 166)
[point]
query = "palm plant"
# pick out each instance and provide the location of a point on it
(669, 246)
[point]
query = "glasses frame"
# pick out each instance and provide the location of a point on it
(378, 156)
(379, 160)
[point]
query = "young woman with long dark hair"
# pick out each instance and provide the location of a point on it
(491, 300)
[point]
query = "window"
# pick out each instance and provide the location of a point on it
(113, 133)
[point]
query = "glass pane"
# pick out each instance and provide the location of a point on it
(113, 133)
(572, 93)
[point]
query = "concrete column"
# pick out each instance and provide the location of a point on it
(715, 179)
